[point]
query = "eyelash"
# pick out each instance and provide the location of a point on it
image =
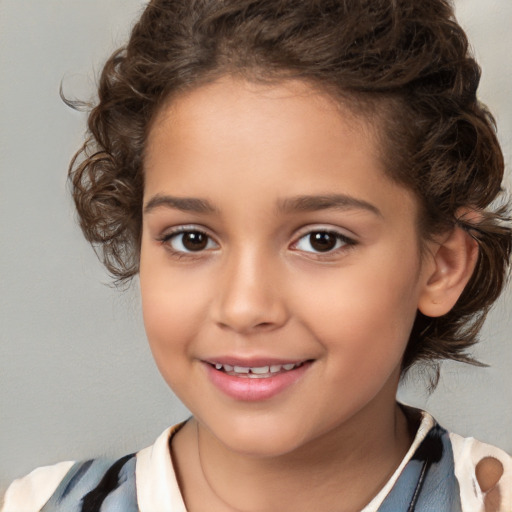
(345, 241)
(167, 238)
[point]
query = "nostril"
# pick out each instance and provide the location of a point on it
(264, 325)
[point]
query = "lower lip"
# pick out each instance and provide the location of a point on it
(252, 390)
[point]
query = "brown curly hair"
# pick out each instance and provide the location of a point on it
(403, 64)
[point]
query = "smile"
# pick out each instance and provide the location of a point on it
(257, 381)
(256, 372)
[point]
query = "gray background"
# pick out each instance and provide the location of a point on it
(76, 376)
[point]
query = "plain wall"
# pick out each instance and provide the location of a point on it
(76, 376)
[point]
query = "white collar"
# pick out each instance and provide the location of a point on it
(155, 478)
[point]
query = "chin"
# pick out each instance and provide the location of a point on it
(261, 439)
(262, 447)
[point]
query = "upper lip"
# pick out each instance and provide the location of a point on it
(252, 362)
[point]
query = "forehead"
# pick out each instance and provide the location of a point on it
(282, 139)
(229, 110)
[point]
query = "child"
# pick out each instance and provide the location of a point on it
(304, 190)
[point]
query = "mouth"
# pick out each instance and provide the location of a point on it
(256, 372)
(252, 380)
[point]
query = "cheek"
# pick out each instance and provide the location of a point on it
(171, 310)
(168, 316)
(365, 310)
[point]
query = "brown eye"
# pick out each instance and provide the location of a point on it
(189, 241)
(194, 241)
(323, 241)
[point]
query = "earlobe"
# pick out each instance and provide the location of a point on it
(454, 257)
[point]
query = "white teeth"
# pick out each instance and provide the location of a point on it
(256, 371)
(260, 370)
(240, 369)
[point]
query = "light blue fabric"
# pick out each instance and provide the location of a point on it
(437, 489)
(84, 477)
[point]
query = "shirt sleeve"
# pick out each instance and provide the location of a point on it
(30, 493)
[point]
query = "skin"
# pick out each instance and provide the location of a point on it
(259, 288)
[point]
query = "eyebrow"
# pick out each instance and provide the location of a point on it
(309, 203)
(186, 204)
(306, 203)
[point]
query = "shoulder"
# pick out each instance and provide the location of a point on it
(132, 483)
(452, 472)
(31, 492)
(484, 473)
(74, 487)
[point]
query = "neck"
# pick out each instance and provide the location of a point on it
(341, 470)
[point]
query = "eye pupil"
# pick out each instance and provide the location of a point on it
(322, 241)
(194, 241)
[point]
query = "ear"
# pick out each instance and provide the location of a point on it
(454, 257)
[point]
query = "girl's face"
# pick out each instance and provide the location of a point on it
(280, 269)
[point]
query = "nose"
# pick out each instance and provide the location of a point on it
(250, 295)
